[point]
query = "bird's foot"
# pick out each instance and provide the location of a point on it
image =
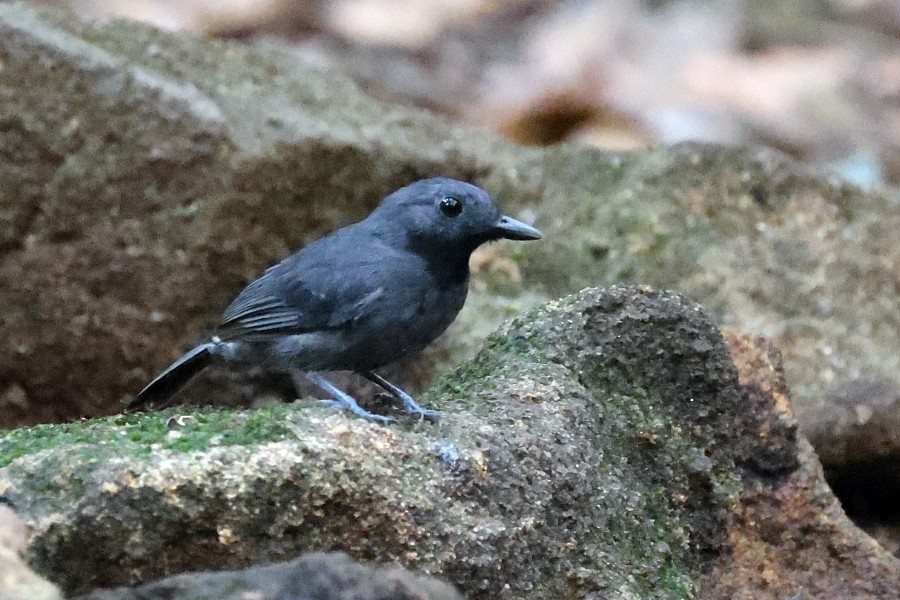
(358, 410)
(343, 400)
(409, 405)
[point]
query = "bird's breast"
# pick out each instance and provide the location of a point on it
(406, 320)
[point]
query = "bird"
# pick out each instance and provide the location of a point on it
(362, 297)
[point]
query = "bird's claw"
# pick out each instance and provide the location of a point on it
(427, 414)
(409, 405)
(359, 411)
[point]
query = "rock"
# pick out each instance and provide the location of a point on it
(859, 424)
(782, 511)
(763, 245)
(150, 175)
(17, 580)
(604, 444)
(856, 433)
(320, 576)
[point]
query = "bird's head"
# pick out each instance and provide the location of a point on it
(445, 215)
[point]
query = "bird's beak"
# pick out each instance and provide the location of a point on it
(510, 229)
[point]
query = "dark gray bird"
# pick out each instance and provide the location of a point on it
(360, 298)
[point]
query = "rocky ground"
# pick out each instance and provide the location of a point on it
(611, 440)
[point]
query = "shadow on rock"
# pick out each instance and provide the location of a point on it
(321, 576)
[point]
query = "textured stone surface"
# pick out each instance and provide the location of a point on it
(763, 245)
(579, 452)
(789, 536)
(604, 443)
(17, 580)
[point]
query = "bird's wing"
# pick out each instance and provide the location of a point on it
(291, 298)
(260, 316)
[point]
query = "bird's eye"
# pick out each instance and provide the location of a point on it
(451, 206)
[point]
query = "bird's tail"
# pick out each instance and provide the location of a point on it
(159, 391)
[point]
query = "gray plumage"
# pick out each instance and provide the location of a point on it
(360, 298)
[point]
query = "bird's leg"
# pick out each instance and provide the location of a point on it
(408, 403)
(339, 399)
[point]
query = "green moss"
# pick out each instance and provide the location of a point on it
(673, 577)
(513, 348)
(172, 429)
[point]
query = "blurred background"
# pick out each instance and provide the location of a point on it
(817, 79)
